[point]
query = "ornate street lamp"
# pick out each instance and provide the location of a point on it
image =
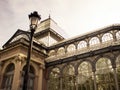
(34, 19)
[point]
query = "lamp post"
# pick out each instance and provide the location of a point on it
(34, 18)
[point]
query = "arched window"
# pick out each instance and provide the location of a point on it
(61, 51)
(71, 48)
(94, 41)
(82, 44)
(84, 80)
(104, 73)
(118, 69)
(54, 79)
(118, 35)
(107, 37)
(8, 77)
(31, 78)
(68, 78)
(52, 53)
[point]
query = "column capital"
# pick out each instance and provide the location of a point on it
(20, 58)
(41, 66)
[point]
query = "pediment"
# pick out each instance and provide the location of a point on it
(18, 35)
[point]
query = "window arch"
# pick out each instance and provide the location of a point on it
(8, 77)
(104, 73)
(94, 41)
(61, 51)
(118, 35)
(71, 48)
(85, 81)
(54, 81)
(68, 70)
(68, 78)
(31, 78)
(52, 53)
(82, 44)
(107, 37)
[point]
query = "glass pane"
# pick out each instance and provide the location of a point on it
(61, 51)
(82, 44)
(107, 37)
(31, 78)
(118, 35)
(85, 79)
(8, 77)
(104, 73)
(31, 82)
(94, 41)
(69, 70)
(71, 48)
(54, 81)
(68, 78)
(52, 53)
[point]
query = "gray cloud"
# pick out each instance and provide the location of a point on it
(74, 16)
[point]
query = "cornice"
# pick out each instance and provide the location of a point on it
(48, 30)
(23, 42)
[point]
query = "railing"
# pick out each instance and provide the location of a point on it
(81, 51)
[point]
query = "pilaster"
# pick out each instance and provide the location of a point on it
(17, 74)
(40, 77)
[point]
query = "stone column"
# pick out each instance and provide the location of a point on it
(116, 80)
(76, 82)
(114, 36)
(35, 82)
(61, 83)
(40, 77)
(17, 74)
(95, 84)
(87, 40)
(66, 46)
(76, 45)
(100, 38)
(47, 84)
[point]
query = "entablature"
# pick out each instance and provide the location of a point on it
(22, 42)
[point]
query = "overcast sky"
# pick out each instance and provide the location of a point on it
(74, 16)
